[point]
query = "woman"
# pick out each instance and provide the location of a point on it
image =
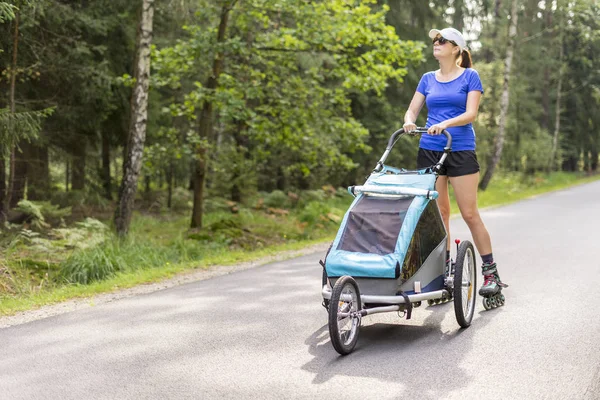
(452, 94)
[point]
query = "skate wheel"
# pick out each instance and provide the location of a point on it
(493, 302)
(430, 302)
(501, 300)
(486, 303)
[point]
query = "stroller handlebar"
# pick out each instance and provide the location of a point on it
(396, 135)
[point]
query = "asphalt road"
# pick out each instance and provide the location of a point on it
(262, 333)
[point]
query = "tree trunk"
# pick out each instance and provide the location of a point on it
(205, 127)
(586, 161)
(78, 166)
(105, 173)
(147, 182)
(504, 100)
(594, 160)
(19, 176)
(2, 189)
(38, 172)
(67, 175)
(137, 126)
(558, 99)
(170, 177)
(241, 144)
(280, 181)
(12, 106)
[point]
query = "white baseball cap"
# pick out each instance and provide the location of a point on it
(450, 34)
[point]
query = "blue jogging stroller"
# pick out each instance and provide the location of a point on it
(389, 254)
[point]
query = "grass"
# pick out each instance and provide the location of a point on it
(35, 299)
(161, 246)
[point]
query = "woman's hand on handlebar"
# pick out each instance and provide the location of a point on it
(437, 129)
(409, 127)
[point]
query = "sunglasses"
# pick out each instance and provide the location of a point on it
(443, 41)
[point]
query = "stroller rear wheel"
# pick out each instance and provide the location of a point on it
(344, 315)
(465, 282)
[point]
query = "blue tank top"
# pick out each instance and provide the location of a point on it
(447, 100)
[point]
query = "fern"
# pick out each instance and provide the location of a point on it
(92, 224)
(35, 212)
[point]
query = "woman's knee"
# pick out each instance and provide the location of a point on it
(472, 217)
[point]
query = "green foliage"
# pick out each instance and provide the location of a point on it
(95, 264)
(18, 126)
(181, 199)
(30, 238)
(34, 211)
(309, 196)
(7, 11)
(314, 212)
(80, 199)
(277, 199)
(215, 204)
(285, 92)
(534, 89)
(44, 211)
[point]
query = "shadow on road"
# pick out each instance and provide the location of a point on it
(420, 356)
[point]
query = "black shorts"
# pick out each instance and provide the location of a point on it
(458, 163)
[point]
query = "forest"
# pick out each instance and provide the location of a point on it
(145, 133)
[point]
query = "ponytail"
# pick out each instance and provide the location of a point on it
(465, 59)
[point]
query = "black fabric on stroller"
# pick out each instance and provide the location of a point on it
(374, 224)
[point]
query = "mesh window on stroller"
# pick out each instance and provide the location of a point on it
(374, 224)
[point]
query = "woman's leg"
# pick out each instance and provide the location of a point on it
(465, 191)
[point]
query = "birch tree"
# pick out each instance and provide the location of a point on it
(138, 122)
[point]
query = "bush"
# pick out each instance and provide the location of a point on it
(277, 199)
(308, 196)
(342, 193)
(42, 214)
(223, 231)
(314, 212)
(181, 199)
(34, 213)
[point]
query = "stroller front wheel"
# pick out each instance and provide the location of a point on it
(344, 315)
